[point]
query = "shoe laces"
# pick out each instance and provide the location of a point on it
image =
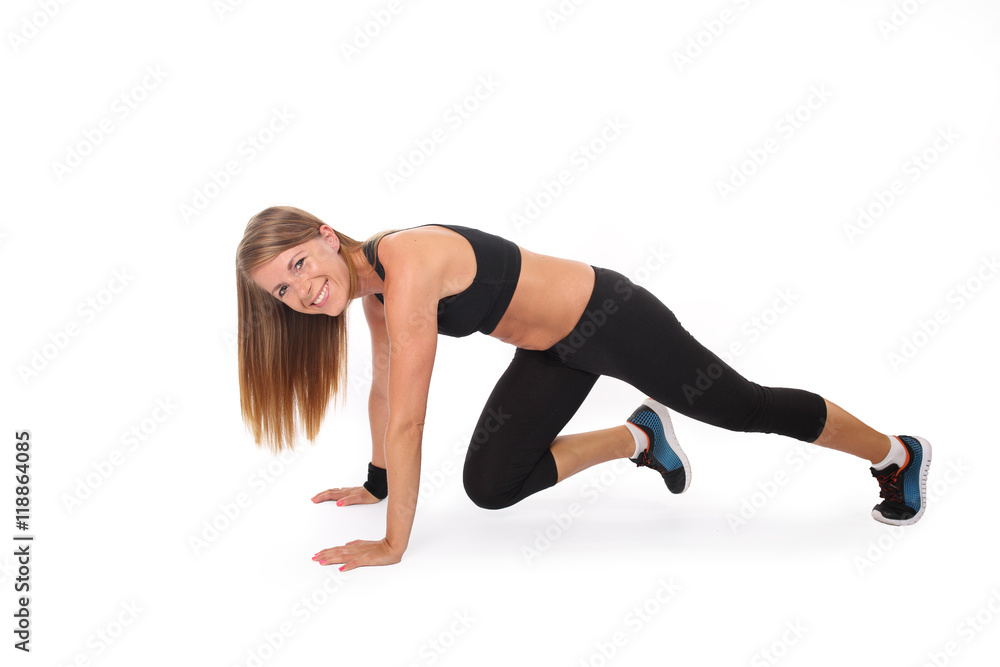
(888, 481)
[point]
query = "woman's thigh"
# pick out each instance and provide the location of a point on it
(509, 456)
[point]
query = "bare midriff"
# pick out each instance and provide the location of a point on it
(549, 299)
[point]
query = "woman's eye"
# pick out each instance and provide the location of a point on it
(298, 265)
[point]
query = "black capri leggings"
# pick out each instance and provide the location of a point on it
(627, 333)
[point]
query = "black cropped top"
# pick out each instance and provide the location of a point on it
(480, 306)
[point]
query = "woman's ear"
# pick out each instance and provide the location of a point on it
(330, 237)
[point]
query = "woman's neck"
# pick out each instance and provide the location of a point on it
(368, 281)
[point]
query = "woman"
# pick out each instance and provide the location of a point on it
(570, 322)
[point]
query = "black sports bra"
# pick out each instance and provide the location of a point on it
(480, 306)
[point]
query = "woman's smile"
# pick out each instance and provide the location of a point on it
(324, 294)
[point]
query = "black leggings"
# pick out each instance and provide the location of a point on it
(627, 333)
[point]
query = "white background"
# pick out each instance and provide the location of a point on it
(808, 554)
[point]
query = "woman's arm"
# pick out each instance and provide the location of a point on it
(378, 415)
(411, 292)
(378, 406)
(411, 298)
(378, 398)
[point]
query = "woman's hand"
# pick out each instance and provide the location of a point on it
(360, 553)
(349, 495)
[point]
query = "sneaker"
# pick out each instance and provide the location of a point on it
(904, 489)
(663, 454)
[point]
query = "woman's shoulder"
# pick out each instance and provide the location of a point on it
(417, 246)
(439, 259)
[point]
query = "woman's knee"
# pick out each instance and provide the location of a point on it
(794, 413)
(484, 490)
(719, 396)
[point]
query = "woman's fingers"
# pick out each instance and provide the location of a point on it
(346, 496)
(341, 554)
(355, 498)
(329, 494)
(357, 553)
(361, 495)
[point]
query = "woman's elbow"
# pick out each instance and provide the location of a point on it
(404, 428)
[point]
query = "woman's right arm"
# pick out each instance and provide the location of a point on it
(378, 404)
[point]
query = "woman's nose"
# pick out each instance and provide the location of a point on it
(302, 288)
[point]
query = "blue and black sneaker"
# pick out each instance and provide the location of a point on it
(904, 488)
(663, 454)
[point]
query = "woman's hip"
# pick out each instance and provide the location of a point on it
(612, 313)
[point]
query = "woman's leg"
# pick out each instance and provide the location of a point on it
(846, 433)
(509, 457)
(579, 451)
(629, 334)
(843, 432)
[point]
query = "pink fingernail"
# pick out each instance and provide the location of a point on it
(341, 568)
(340, 502)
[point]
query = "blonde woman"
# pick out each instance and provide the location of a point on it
(570, 323)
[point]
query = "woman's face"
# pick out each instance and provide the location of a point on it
(311, 278)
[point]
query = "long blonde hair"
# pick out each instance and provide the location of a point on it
(287, 359)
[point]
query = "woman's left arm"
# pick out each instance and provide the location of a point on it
(411, 298)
